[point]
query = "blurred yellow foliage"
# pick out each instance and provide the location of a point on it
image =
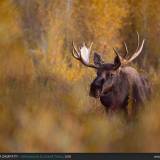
(44, 101)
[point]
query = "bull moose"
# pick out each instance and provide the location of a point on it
(116, 84)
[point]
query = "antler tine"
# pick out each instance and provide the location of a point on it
(75, 49)
(137, 41)
(126, 48)
(137, 53)
(117, 54)
(75, 55)
(91, 45)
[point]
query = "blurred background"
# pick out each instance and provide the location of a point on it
(44, 101)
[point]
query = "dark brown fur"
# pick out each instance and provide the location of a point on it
(117, 88)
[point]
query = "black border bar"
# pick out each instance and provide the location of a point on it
(80, 156)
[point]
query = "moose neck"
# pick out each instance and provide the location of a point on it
(118, 96)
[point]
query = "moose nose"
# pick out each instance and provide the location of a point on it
(99, 82)
(96, 87)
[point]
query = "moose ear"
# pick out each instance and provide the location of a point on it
(97, 59)
(117, 62)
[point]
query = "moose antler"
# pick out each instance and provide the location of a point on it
(125, 61)
(83, 55)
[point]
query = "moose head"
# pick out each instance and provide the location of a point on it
(115, 82)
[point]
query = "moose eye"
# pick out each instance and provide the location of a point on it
(109, 75)
(99, 73)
